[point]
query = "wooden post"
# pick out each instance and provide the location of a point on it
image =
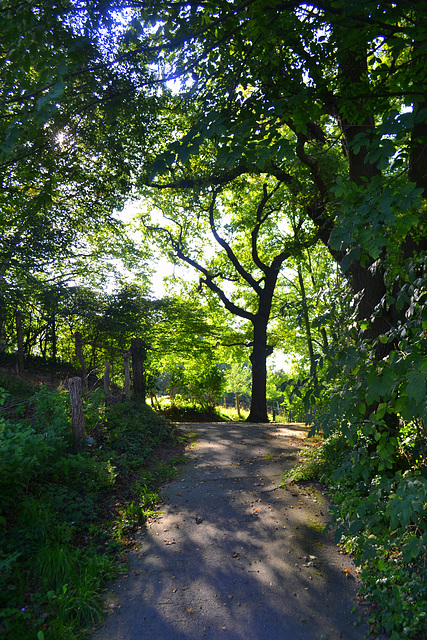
(80, 357)
(107, 381)
(238, 405)
(138, 353)
(126, 364)
(20, 340)
(77, 416)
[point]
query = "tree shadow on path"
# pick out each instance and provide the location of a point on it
(234, 555)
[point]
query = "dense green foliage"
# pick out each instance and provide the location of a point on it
(293, 135)
(381, 519)
(65, 514)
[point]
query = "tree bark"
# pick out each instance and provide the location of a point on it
(418, 157)
(77, 416)
(80, 357)
(306, 320)
(258, 358)
(126, 365)
(138, 355)
(238, 405)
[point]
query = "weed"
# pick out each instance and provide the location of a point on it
(55, 564)
(165, 471)
(56, 507)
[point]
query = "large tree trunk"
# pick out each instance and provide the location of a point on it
(261, 350)
(77, 415)
(80, 356)
(258, 358)
(138, 356)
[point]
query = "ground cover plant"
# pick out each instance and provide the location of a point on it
(67, 515)
(382, 520)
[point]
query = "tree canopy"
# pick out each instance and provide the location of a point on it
(284, 143)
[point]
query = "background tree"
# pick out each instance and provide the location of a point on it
(244, 221)
(335, 83)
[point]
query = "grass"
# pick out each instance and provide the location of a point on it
(66, 516)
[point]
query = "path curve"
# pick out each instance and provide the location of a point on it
(234, 556)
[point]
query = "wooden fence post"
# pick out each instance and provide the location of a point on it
(77, 416)
(80, 357)
(238, 405)
(107, 381)
(126, 364)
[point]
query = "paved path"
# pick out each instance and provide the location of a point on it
(235, 557)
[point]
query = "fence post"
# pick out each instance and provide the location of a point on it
(107, 381)
(77, 416)
(126, 363)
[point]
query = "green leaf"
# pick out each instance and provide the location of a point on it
(361, 407)
(381, 411)
(412, 549)
(416, 387)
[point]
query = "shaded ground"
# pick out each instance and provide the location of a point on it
(234, 556)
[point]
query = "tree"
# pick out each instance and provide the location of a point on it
(244, 222)
(314, 306)
(290, 83)
(239, 381)
(63, 168)
(265, 89)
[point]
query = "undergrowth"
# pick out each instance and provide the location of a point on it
(67, 515)
(382, 520)
(187, 411)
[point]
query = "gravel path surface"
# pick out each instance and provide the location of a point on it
(234, 556)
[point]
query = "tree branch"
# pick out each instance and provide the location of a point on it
(208, 277)
(260, 221)
(230, 253)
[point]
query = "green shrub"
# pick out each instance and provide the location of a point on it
(135, 429)
(52, 525)
(382, 520)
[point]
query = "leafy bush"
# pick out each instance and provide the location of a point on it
(134, 429)
(382, 520)
(199, 382)
(51, 530)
